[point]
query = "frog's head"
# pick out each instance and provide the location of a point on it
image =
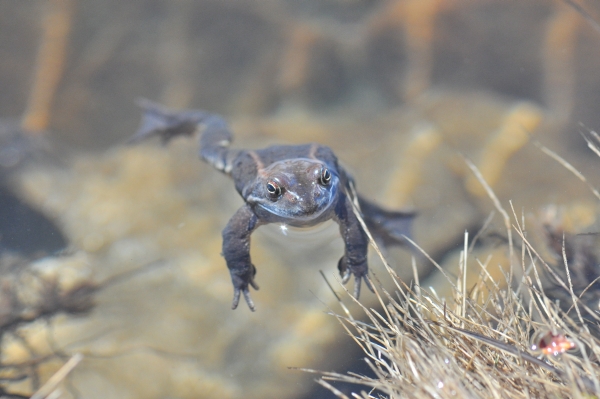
(299, 189)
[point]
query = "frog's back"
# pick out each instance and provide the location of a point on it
(279, 153)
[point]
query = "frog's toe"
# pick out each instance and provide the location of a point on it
(345, 271)
(253, 284)
(242, 279)
(236, 298)
(358, 279)
(249, 300)
(346, 277)
(359, 271)
(357, 284)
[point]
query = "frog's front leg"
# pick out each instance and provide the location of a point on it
(354, 261)
(236, 250)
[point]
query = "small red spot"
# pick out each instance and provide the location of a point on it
(552, 343)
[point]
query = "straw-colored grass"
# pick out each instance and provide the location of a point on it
(478, 343)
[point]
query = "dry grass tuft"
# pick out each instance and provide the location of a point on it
(479, 343)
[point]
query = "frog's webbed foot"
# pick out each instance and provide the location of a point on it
(240, 286)
(359, 271)
(388, 228)
(159, 121)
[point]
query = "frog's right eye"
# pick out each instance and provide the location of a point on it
(273, 189)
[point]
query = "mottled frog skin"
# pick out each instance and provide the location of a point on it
(296, 185)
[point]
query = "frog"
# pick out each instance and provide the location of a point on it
(292, 185)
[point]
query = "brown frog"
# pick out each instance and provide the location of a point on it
(295, 185)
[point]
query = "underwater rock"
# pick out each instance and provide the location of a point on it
(133, 206)
(25, 230)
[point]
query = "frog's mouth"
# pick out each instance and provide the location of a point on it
(298, 211)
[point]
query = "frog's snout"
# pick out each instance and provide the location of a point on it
(292, 197)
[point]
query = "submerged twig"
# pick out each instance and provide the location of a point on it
(50, 386)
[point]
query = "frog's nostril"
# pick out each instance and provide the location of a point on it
(293, 198)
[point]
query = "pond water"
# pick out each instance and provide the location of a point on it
(401, 90)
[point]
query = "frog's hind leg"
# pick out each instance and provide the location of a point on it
(388, 228)
(166, 124)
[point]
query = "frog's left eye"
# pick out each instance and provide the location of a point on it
(274, 190)
(325, 177)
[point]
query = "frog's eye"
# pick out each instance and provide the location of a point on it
(325, 177)
(273, 189)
